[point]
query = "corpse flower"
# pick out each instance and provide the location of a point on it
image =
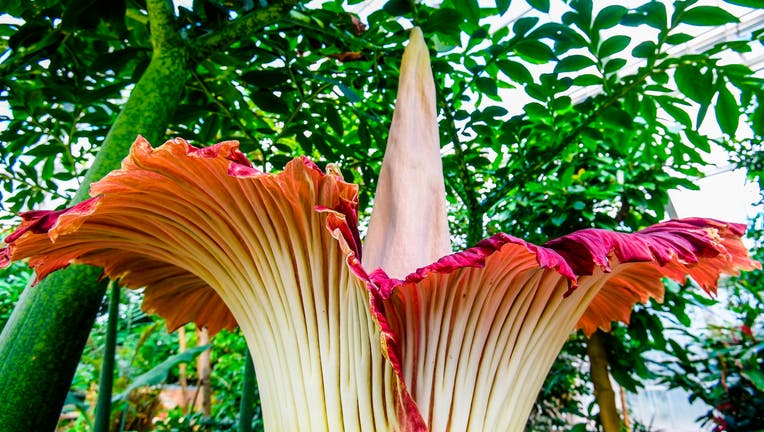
(392, 341)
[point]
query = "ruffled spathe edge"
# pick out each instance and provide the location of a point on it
(177, 295)
(631, 268)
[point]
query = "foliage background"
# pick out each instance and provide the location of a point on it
(608, 123)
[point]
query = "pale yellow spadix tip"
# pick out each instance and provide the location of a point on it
(409, 225)
(416, 57)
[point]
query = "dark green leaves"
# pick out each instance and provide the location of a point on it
(573, 63)
(652, 14)
(542, 5)
(334, 120)
(523, 25)
(707, 16)
(587, 80)
(697, 86)
(613, 65)
(678, 38)
(502, 6)
(397, 7)
(469, 9)
(267, 101)
(727, 111)
(747, 3)
(486, 86)
(608, 17)
(694, 84)
(515, 71)
(563, 35)
(644, 50)
(613, 45)
(534, 51)
(444, 20)
(159, 373)
(679, 114)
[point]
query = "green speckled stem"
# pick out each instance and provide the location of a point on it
(42, 344)
(147, 112)
(44, 338)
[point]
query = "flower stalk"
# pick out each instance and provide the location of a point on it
(102, 420)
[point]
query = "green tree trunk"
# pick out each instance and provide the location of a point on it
(44, 338)
(42, 344)
(603, 389)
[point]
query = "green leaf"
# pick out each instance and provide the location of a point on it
(587, 80)
(699, 141)
(502, 6)
(159, 373)
(614, 65)
(566, 37)
(561, 103)
(397, 7)
(694, 84)
(652, 14)
(648, 110)
(707, 16)
(334, 120)
(661, 77)
(542, 5)
(442, 21)
(524, 24)
(644, 50)
(573, 63)
(677, 113)
(746, 3)
(613, 45)
(534, 51)
(515, 71)
(486, 85)
(495, 111)
(536, 110)
(609, 17)
(559, 219)
(584, 10)
(679, 38)
(363, 134)
(755, 377)
(267, 101)
(538, 92)
(619, 117)
(349, 93)
(727, 111)
(757, 120)
(469, 9)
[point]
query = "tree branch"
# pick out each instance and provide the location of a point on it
(162, 24)
(498, 193)
(603, 389)
(240, 28)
